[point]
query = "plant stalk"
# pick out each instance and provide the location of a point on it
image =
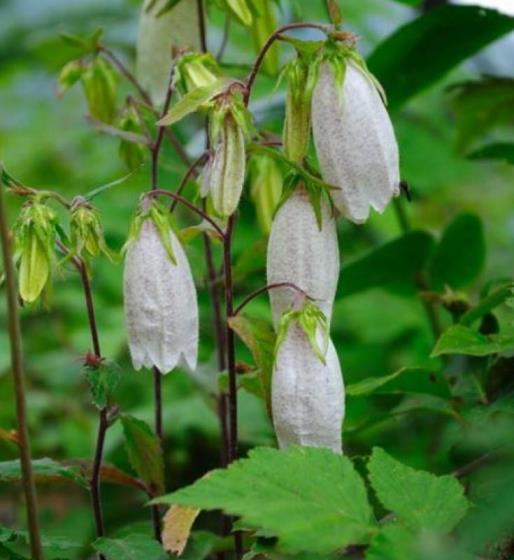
(14, 328)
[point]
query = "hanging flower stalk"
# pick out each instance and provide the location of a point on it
(303, 250)
(353, 134)
(307, 384)
(161, 311)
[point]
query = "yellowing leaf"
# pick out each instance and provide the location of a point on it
(176, 529)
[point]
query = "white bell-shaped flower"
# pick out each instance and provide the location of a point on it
(161, 309)
(307, 394)
(303, 254)
(355, 141)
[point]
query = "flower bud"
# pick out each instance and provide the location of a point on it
(354, 140)
(227, 170)
(301, 75)
(86, 231)
(34, 234)
(303, 253)
(241, 10)
(266, 189)
(99, 83)
(161, 310)
(132, 154)
(162, 30)
(307, 394)
(196, 70)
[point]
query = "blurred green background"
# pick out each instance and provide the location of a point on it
(46, 142)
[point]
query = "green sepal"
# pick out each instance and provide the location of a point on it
(195, 70)
(87, 44)
(241, 10)
(312, 321)
(132, 154)
(70, 74)
(99, 83)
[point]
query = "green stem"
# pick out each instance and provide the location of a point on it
(19, 385)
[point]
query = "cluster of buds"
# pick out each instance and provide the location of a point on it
(86, 231)
(161, 310)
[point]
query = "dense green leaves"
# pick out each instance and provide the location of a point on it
(459, 339)
(311, 499)
(132, 547)
(422, 501)
(392, 266)
(460, 255)
(420, 53)
(144, 452)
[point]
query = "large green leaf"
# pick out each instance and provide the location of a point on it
(144, 452)
(45, 470)
(312, 499)
(403, 381)
(459, 339)
(460, 255)
(132, 547)
(392, 266)
(423, 51)
(421, 500)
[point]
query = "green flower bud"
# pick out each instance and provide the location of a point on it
(133, 155)
(70, 74)
(99, 83)
(266, 189)
(197, 70)
(34, 234)
(86, 230)
(301, 74)
(241, 10)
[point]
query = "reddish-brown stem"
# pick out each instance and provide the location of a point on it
(267, 288)
(29, 486)
(190, 205)
(201, 25)
(267, 45)
(185, 179)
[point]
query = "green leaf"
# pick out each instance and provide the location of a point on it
(393, 542)
(405, 380)
(498, 150)
(103, 380)
(144, 452)
(191, 102)
(132, 547)
(421, 500)
(393, 265)
(487, 304)
(481, 106)
(312, 499)
(416, 55)
(459, 339)
(45, 470)
(460, 256)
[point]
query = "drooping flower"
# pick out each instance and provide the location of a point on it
(161, 310)
(307, 394)
(354, 138)
(304, 252)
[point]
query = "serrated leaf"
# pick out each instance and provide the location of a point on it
(392, 266)
(191, 102)
(132, 547)
(459, 339)
(177, 524)
(420, 500)
(103, 380)
(403, 381)
(498, 150)
(414, 56)
(144, 452)
(259, 337)
(45, 470)
(460, 256)
(312, 499)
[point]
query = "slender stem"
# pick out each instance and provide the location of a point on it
(189, 173)
(224, 40)
(29, 486)
(421, 279)
(267, 45)
(201, 25)
(267, 288)
(157, 375)
(191, 206)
